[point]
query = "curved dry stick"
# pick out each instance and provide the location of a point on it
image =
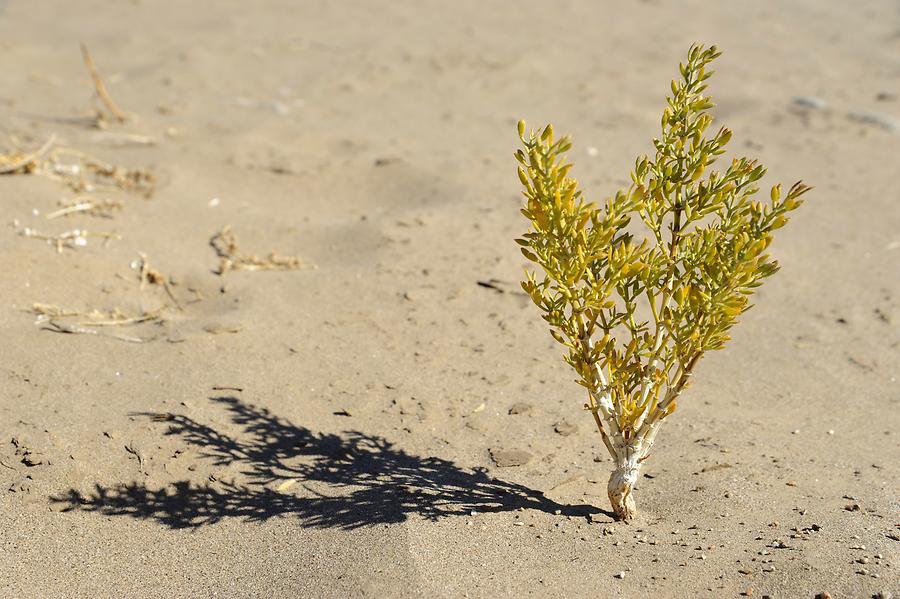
(100, 87)
(29, 158)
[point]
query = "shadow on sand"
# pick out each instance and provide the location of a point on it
(343, 481)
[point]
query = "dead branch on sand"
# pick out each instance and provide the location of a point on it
(86, 205)
(79, 171)
(152, 276)
(16, 161)
(230, 257)
(60, 320)
(68, 239)
(100, 87)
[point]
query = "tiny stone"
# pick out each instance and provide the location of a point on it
(824, 595)
(508, 458)
(874, 118)
(564, 428)
(809, 102)
(520, 407)
(862, 560)
(620, 574)
(748, 592)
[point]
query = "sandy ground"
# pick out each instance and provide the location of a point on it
(328, 432)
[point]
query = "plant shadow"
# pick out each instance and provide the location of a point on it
(346, 481)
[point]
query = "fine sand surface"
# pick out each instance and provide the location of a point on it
(339, 431)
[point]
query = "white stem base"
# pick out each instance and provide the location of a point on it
(621, 486)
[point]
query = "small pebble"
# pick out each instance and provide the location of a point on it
(620, 574)
(882, 121)
(809, 102)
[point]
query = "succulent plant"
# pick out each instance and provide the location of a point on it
(640, 288)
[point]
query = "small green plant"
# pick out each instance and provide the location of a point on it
(638, 306)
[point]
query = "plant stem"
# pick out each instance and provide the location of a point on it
(621, 484)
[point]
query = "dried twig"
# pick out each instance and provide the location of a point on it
(95, 317)
(85, 174)
(86, 205)
(120, 139)
(14, 162)
(154, 277)
(69, 239)
(100, 87)
(74, 329)
(92, 174)
(52, 318)
(230, 258)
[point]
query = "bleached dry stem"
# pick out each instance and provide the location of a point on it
(621, 485)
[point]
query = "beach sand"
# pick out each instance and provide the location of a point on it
(396, 421)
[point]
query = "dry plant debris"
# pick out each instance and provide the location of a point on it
(230, 257)
(100, 88)
(72, 240)
(91, 322)
(80, 172)
(86, 205)
(18, 162)
(94, 317)
(149, 275)
(86, 174)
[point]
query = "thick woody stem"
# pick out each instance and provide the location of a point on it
(621, 486)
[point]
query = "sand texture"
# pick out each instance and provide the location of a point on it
(353, 397)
